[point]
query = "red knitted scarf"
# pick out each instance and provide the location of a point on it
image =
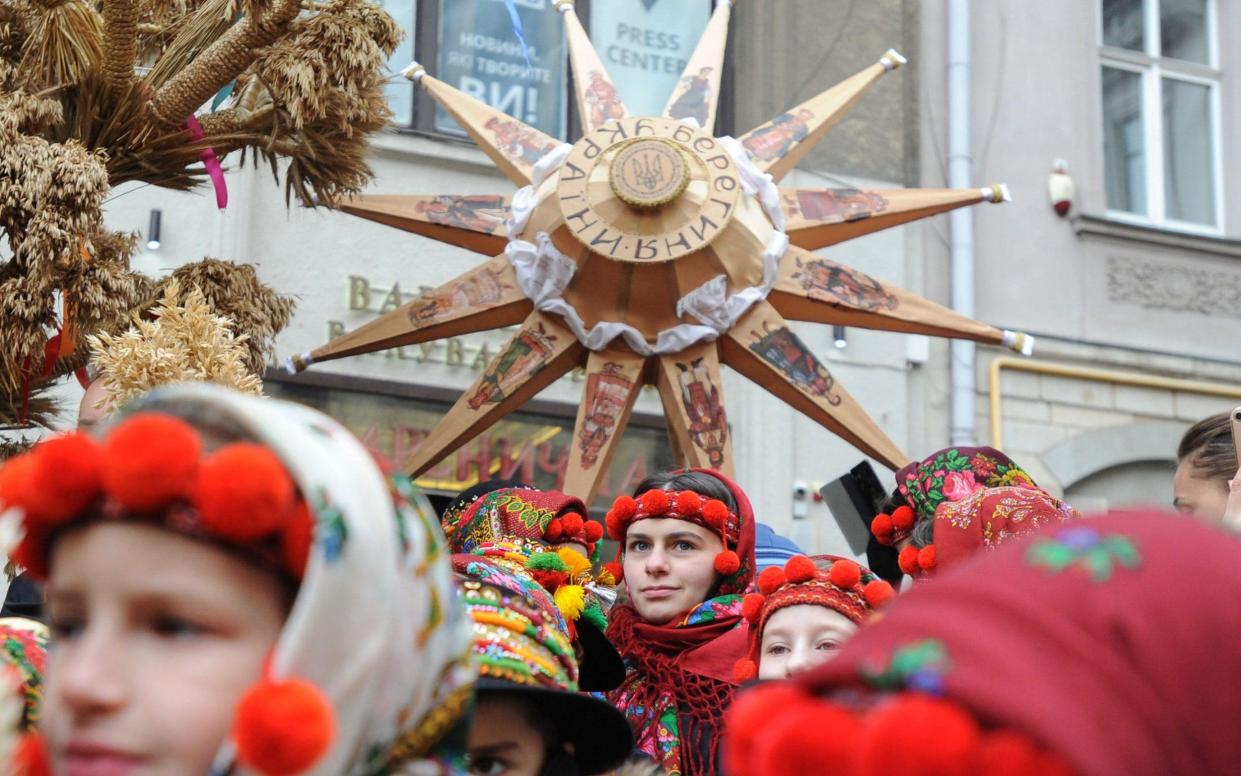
(659, 655)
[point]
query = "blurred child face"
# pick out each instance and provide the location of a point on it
(154, 639)
(503, 739)
(669, 567)
(800, 637)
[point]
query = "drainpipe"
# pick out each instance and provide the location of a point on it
(961, 221)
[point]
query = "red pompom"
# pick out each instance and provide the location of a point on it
(882, 528)
(594, 532)
(150, 460)
(809, 737)
(727, 563)
(31, 553)
(624, 507)
(243, 492)
(654, 502)
(296, 539)
(746, 719)
(29, 757)
(688, 503)
(744, 671)
(752, 607)
(616, 526)
(65, 477)
(919, 736)
(770, 580)
(845, 574)
(550, 580)
(16, 475)
(800, 569)
(903, 518)
(715, 513)
(616, 570)
(908, 560)
(553, 531)
(926, 557)
(877, 593)
(283, 727)
(572, 524)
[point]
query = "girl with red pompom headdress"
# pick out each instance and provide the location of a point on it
(201, 567)
(686, 556)
(802, 613)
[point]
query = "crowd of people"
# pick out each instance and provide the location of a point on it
(206, 582)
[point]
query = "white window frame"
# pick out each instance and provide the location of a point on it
(1153, 68)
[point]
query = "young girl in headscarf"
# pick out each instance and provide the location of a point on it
(234, 586)
(804, 612)
(1093, 647)
(687, 556)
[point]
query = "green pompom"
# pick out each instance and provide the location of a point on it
(593, 613)
(546, 561)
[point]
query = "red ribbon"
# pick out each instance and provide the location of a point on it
(211, 162)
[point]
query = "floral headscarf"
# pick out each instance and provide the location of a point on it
(987, 518)
(377, 624)
(954, 473)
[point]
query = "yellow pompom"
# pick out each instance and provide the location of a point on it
(606, 577)
(576, 561)
(570, 600)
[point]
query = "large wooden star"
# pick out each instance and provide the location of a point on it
(650, 252)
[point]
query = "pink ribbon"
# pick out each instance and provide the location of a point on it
(211, 162)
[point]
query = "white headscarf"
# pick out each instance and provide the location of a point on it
(377, 624)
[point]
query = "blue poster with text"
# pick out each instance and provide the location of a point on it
(480, 54)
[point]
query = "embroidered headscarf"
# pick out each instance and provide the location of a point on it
(1074, 649)
(983, 521)
(402, 678)
(528, 517)
(952, 474)
(680, 675)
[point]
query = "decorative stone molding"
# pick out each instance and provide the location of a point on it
(1088, 226)
(1162, 286)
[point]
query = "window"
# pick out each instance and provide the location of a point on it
(1160, 112)
(472, 45)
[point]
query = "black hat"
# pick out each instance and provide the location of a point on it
(600, 667)
(600, 734)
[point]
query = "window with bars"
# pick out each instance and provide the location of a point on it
(473, 46)
(1160, 79)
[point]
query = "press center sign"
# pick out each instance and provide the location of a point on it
(645, 45)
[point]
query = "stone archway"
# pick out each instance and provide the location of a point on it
(1117, 466)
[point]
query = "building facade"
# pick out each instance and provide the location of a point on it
(1133, 295)
(1143, 293)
